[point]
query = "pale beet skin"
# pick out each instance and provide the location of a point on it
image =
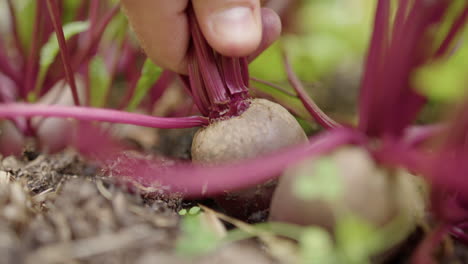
(264, 127)
(369, 192)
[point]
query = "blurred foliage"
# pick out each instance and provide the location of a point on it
(309, 127)
(118, 29)
(50, 50)
(149, 75)
(354, 240)
(25, 26)
(327, 45)
(358, 240)
(70, 8)
(446, 79)
(327, 35)
(100, 79)
(197, 237)
(283, 98)
(269, 65)
(330, 32)
(316, 246)
(453, 12)
(335, 31)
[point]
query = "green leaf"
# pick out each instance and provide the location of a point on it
(50, 50)
(183, 212)
(99, 78)
(197, 239)
(358, 240)
(316, 246)
(309, 127)
(25, 16)
(269, 65)
(194, 210)
(149, 74)
(318, 179)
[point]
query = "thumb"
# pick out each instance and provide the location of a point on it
(232, 27)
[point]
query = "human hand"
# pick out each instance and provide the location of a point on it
(232, 27)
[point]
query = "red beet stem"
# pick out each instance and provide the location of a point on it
(388, 102)
(207, 65)
(218, 84)
(95, 35)
(196, 85)
(457, 27)
(14, 29)
(206, 181)
(69, 74)
(98, 114)
(6, 68)
(373, 63)
(319, 116)
(233, 75)
(159, 88)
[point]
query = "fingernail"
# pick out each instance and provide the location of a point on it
(236, 25)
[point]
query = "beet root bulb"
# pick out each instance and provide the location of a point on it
(263, 128)
(367, 191)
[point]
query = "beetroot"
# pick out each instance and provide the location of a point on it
(376, 195)
(240, 127)
(264, 127)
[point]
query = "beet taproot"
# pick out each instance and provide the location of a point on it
(376, 195)
(263, 128)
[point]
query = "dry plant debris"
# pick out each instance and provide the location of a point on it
(57, 209)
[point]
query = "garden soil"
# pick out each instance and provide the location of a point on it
(59, 209)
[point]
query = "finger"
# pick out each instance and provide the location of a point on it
(271, 31)
(231, 27)
(162, 29)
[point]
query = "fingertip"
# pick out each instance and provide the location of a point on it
(271, 24)
(162, 30)
(232, 28)
(271, 31)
